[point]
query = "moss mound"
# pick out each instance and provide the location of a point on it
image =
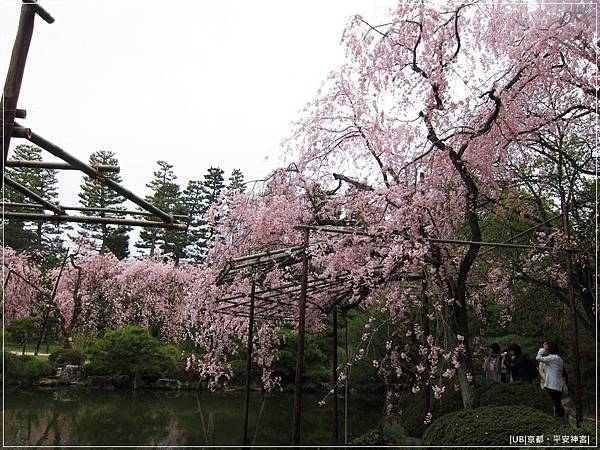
(489, 425)
(67, 356)
(388, 432)
(413, 410)
(520, 393)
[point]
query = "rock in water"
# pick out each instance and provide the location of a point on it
(168, 383)
(100, 382)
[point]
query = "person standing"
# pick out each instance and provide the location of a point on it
(492, 365)
(553, 375)
(541, 368)
(517, 364)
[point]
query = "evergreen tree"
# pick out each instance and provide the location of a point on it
(236, 181)
(44, 182)
(214, 184)
(199, 197)
(114, 238)
(195, 208)
(166, 195)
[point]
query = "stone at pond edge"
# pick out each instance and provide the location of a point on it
(122, 382)
(100, 382)
(167, 383)
(47, 382)
(69, 374)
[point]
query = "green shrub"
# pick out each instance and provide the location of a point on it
(132, 351)
(23, 331)
(414, 411)
(489, 425)
(389, 431)
(519, 393)
(67, 356)
(25, 370)
(316, 367)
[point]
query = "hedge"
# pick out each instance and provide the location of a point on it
(25, 370)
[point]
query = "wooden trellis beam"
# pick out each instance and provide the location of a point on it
(24, 163)
(91, 219)
(94, 210)
(33, 196)
(439, 241)
(95, 174)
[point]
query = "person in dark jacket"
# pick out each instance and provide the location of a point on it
(517, 364)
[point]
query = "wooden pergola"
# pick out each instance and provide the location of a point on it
(273, 302)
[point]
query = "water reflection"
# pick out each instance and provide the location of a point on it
(74, 416)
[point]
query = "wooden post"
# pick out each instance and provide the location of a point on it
(47, 315)
(300, 348)
(249, 363)
(425, 316)
(14, 76)
(347, 378)
(10, 272)
(574, 326)
(334, 374)
(564, 210)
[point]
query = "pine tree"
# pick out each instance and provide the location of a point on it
(114, 238)
(195, 208)
(44, 182)
(166, 195)
(199, 197)
(236, 181)
(214, 184)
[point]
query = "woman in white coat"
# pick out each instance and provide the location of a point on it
(553, 375)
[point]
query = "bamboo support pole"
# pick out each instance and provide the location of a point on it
(20, 132)
(288, 250)
(91, 172)
(245, 440)
(18, 275)
(574, 325)
(32, 195)
(14, 76)
(52, 297)
(523, 233)
(55, 165)
(296, 427)
(438, 241)
(10, 272)
(334, 375)
(89, 219)
(85, 209)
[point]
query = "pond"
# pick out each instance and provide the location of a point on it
(77, 416)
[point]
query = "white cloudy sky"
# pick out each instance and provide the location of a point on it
(197, 83)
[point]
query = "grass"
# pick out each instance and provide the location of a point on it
(14, 347)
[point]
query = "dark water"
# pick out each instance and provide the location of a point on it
(74, 416)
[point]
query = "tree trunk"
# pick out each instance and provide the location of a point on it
(459, 325)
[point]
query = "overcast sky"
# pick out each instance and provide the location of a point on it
(206, 83)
